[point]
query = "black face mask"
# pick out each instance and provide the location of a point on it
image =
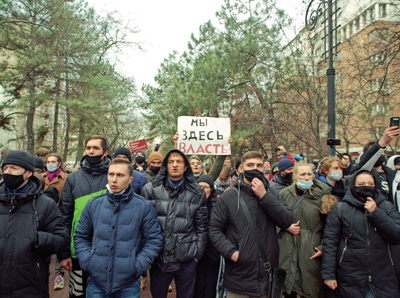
(94, 160)
(288, 177)
(365, 191)
(13, 181)
(250, 175)
(140, 159)
(155, 170)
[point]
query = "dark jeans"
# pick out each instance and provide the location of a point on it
(185, 279)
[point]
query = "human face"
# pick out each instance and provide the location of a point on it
(287, 171)
(16, 171)
(93, 148)
(228, 162)
(176, 166)
(253, 163)
(347, 159)
(207, 189)
(156, 163)
(335, 167)
(195, 164)
(397, 167)
(365, 180)
(53, 160)
(304, 173)
(139, 154)
(267, 165)
(118, 177)
(223, 179)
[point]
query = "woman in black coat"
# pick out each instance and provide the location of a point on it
(356, 260)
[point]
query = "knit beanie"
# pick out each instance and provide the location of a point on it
(207, 179)
(154, 155)
(285, 164)
(19, 158)
(123, 151)
(298, 157)
(38, 163)
(396, 160)
(141, 151)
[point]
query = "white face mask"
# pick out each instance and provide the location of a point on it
(52, 167)
(336, 176)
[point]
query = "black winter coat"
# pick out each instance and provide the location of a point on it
(31, 230)
(356, 247)
(229, 232)
(278, 184)
(79, 187)
(182, 214)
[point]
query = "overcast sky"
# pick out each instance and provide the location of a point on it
(165, 26)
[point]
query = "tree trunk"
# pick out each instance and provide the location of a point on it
(81, 137)
(55, 124)
(31, 113)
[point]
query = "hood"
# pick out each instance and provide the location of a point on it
(33, 191)
(162, 176)
(95, 170)
(351, 195)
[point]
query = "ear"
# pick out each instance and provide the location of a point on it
(130, 180)
(28, 173)
(105, 153)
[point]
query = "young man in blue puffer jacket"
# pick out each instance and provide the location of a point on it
(118, 236)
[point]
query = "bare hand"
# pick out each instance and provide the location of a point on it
(230, 140)
(317, 254)
(233, 181)
(281, 150)
(66, 264)
(294, 228)
(235, 256)
(175, 138)
(139, 168)
(258, 187)
(388, 135)
(331, 283)
(196, 260)
(370, 205)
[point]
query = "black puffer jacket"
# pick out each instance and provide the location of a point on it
(79, 187)
(230, 232)
(182, 214)
(356, 246)
(278, 183)
(31, 229)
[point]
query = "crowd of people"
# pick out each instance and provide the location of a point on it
(215, 230)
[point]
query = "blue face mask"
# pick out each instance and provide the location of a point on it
(304, 185)
(336, 176)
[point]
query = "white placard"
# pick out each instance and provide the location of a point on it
(204, 135)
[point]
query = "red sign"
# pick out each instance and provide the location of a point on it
(138, 145)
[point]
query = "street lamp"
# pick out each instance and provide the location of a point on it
(312, 16)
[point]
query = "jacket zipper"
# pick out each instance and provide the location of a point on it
(368, 245)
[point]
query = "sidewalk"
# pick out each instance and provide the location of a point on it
(64, 292)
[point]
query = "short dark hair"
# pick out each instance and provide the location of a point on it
(104, 143)
(58, 156)
(252, 154)
(42, 152)
(123, 161)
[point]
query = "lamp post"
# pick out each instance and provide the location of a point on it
(312, 16)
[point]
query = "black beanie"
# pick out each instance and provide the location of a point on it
(38, 163)
(123, 151)
(396, 160)
(19, 158)
(380, 161)
(207, 179)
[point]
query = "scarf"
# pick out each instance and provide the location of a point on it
(53, 175)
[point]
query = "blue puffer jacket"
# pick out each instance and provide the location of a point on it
(117, 239)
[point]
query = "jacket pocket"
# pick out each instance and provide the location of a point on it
(186, 248)
(132, 261)
(92, 252)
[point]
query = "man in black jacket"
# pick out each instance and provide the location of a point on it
(284, 177)
(31, 230)
(231, 235)
(79, 187)
(182, 212)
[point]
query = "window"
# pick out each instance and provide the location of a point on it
(364, 19)
(372, 13)
(339, 57)
(380, 109)
(372, 35)
(357, 24)
(351, 29)
(382, 11)
(344, 33)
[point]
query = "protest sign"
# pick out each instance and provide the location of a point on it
(204, 135)
(138, 145)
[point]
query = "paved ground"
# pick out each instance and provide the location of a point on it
(64, 292)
